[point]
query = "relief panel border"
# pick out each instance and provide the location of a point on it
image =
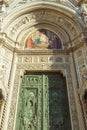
(63, 68)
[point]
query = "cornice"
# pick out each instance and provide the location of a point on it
(42, 52)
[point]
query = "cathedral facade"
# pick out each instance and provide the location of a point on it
(43, 65)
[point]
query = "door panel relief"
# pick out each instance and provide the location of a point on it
(30, 104)
(43, 103)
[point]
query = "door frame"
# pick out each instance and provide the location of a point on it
(44, 75)
(21, 69)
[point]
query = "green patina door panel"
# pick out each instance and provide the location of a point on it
(59, 118)
(43, 103)
(30, 103)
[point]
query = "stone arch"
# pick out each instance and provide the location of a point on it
(21, 19)
(57, 30)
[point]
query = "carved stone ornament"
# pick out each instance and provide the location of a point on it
(84, 78)
(33, 67)
(84, 13)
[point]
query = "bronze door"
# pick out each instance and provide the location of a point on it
(43, 103)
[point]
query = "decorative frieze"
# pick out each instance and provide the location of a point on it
(27, 59)
(43, 59)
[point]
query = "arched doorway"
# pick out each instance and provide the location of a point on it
(43, 102)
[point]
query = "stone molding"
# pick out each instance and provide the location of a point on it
(18, 27)
(21, 68)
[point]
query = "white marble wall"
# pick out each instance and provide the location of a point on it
(5, 67)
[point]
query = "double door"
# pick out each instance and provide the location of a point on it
(43, 103)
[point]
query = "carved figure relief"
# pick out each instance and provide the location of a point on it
(27, 59)
(30, 112)
(27, 114)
